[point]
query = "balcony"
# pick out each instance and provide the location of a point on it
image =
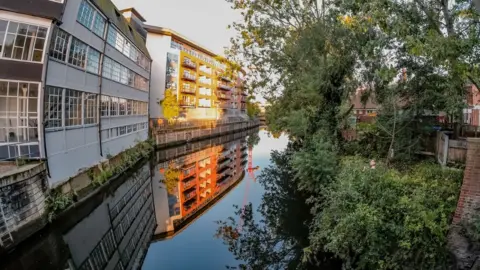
(224, 105)
(225, 79)
(189, 63)
(187, 103)
(222, 96)
(224, 86)
(188, 76)
(188, 90)
(188, 195)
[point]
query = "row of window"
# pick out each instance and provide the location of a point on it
(101, 254)
(132, 214)
(199, 55)
(67, 107)
(113, 106)
(144, 228)
(123, 130)
(92, 19)
(89, 17)
(119, 73)
(119, 206)
(22, 41)
(66, 48)
(119, 42)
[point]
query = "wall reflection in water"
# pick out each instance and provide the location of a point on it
(112, 228)
(188, 180)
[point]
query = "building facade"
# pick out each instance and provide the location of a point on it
(96, 90)
(25, 30)
(205, 86)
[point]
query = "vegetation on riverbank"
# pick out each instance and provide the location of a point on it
(324, 207)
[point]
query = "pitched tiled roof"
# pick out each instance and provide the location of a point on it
(117, 19)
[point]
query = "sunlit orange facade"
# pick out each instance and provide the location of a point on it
(205, 84)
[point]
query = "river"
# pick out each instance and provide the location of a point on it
(162, 215)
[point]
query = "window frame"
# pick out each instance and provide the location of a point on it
(93, 20)
(7, 32)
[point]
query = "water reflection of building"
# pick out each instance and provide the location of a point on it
(200, 178)
(116, 234)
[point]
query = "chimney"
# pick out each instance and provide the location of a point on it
(136, 20)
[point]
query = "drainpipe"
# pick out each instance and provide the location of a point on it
(148, 102)
(100, 86)
(41, 97)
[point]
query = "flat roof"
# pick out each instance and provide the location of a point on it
(135, 12)
(169, 32)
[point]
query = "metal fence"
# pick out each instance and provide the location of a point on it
(20, 203)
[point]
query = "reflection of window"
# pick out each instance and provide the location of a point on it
(90, 108)
(122, 106)
(105, 105)
(18, 111)
(78, 53)
(114, 106)
(22, 41)
(93, 62)
(73, 107)
(58, 48)
(53, 107)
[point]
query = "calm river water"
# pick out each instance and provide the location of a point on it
(161, 216)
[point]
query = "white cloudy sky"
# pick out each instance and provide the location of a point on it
(203, 21)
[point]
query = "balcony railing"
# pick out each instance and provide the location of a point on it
(190, 195)
(222, 96)
(189, 76)
(188, 90)
(189, 63)
(225, 78)
(184, 103)
(224, 86)
(224, 105)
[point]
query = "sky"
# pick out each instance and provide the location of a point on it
(203, 21)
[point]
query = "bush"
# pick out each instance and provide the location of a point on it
(383, 219)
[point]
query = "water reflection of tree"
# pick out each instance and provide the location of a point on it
(172, 175)
(253, 140)
(279, 239)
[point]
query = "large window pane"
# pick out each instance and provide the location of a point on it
(91, 109)
(58, 48)
(78, 53)
(3, 31)
(98, 25)
(107, 67)
(93, 62)
(73, 107)
(53, 107)
(85, 14)
(105, 106)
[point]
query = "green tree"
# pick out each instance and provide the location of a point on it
(170, 105)
(278, 240)
(171, 179)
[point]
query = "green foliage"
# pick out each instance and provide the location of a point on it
(252, 109)
(123, 162)
(253, 140)
(56, 202)
(171, 179)
(278, 240)
(382, 219)
(170, 106)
